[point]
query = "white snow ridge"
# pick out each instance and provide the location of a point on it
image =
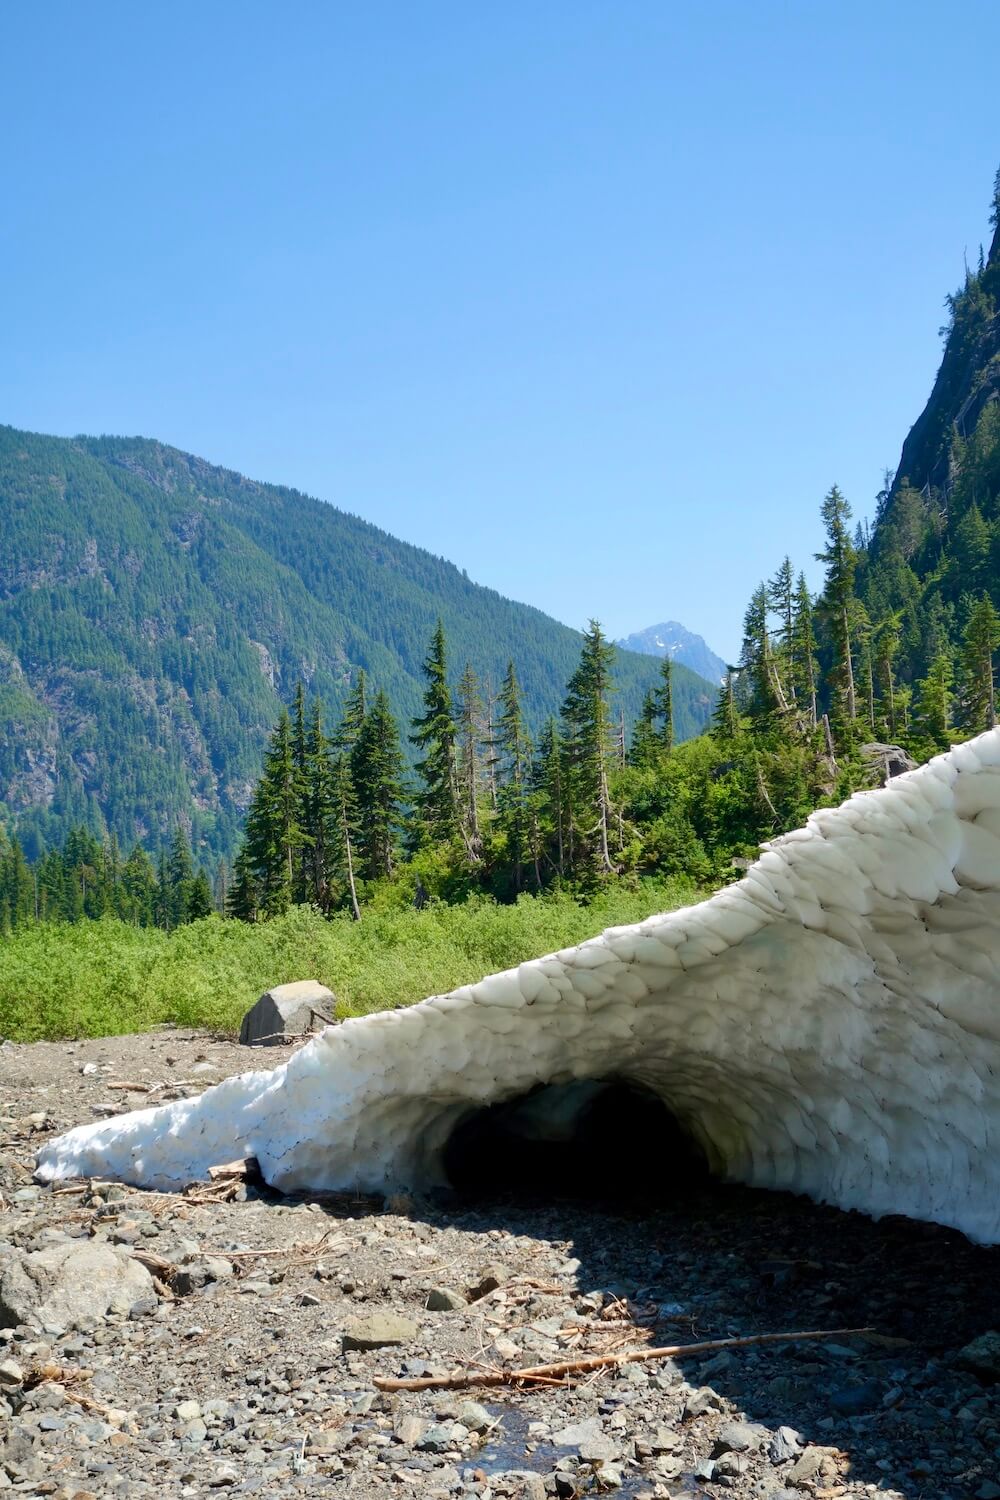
(829, 1025)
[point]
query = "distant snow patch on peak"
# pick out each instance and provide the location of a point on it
(672, 639)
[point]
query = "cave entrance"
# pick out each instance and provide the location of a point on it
(594, 1141)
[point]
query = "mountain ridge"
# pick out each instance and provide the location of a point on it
(671, 638)
(156, 610)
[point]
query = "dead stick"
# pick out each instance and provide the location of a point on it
(462, 1378)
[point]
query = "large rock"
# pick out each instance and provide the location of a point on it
(65, 1286)
(289, 1010)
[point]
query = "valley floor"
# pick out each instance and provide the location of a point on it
(232, 1376)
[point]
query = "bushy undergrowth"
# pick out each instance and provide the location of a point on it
(104, 978)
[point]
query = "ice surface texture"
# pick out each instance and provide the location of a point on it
(829, 1025)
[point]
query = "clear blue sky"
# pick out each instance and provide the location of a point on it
(595, 300)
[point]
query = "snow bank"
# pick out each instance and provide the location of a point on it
(829, 1025)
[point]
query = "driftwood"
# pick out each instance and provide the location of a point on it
(553, 1374)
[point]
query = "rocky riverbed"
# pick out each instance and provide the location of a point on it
(227, 1340)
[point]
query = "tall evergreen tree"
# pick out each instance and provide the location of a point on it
(587, 716)
(838, 593)
(319, 812)
(355, 712)
(515, 767)
(434, 734)
(274, 836)
(180, 876)
(803, 650)
(664, 699)
(376, 768)
(346, 814)
(977, 674)
(934, 701)
(548, 786)
(469, 730)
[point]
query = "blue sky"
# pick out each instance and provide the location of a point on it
(595, 300)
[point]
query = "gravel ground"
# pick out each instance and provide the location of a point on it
(233, 1373)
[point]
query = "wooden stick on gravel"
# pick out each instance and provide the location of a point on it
(460, 1379)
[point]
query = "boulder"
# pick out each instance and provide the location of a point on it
(378, 1330)
(289, 1010)
(71, 1285)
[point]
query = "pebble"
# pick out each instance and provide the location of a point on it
(445, 1299)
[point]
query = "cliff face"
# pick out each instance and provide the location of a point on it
(967, 380)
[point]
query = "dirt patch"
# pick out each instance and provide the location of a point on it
(239, 1375)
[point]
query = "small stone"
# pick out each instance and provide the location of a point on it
(665, 1440)
(491, 1278)
(409, 1430)
(223, 1476)
(730, 1466)
(988, 1491)
(701, 1402)
(187, 1411)
(444, 1299)
(441, 1436)
(475, 1417)
(785, 1444)
(737, 1437)
(378, 1330)
(11, 1374)
(982, 1356)
(309, 1299)
(815, 1463)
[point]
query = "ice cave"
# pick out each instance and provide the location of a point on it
(830, 1025)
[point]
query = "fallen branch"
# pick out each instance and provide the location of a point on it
(460, 1379)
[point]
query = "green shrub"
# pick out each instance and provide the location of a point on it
(105, 978)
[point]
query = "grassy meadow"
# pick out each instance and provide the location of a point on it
(106, 977)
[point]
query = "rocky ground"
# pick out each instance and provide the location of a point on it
(162, 1346)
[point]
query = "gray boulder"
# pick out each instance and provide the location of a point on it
(287, 1011)
(71, 1285)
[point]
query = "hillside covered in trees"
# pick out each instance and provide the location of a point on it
(156, 612)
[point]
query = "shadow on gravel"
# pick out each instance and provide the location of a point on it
(718, 1261)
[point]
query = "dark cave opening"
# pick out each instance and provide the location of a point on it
(597, 1141)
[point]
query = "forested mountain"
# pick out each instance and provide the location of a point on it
(156, 611)
(672, 639)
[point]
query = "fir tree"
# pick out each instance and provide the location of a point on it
(515, 764)
(319, 812)
(934, 701)
(376, 768)
(469, 730)
(664, 700)
(976, 677)
(587, 717)
(725, 716)
(434, 734)
(803, 650)
(355, 712)
(274, 836)
(180, 875)
(345, 813)
(838, 593)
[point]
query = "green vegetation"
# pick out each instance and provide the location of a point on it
(106, 977)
